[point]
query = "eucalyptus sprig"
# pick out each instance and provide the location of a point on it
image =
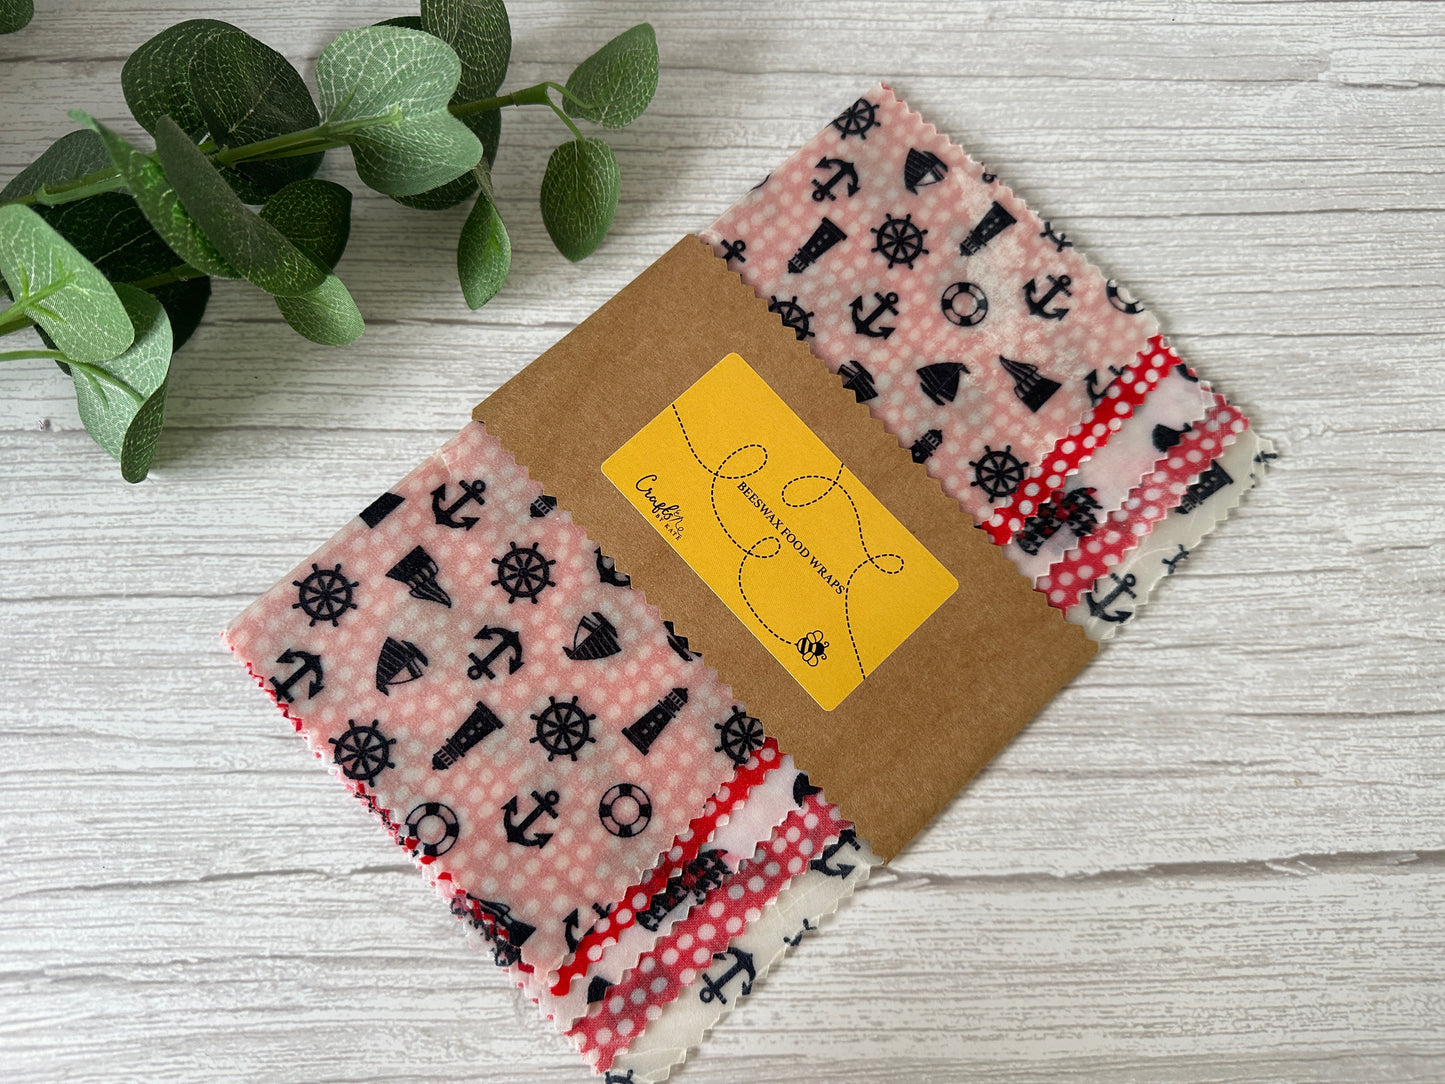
(108, 250)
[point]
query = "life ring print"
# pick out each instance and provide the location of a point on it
(964, 304)
(625, 810)
(434, 826)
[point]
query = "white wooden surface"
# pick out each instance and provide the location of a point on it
(1219, 856)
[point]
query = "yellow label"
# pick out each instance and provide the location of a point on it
(809, 560)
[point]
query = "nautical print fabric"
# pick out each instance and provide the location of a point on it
(810, 898)
(970, 326)
(470, 665)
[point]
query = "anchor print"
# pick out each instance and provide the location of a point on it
(1100, 607)
(563, 728)
(793, 315)
(397, 657)
(712, 988)
(646, 730)
(823, 238)
(1091, 384)
(324, 595)
(858, 119)
(507, 640)
(481, 722)
(858, 380)
(1121, 300)
(922, 168)
(733, 250)
(517, 833)
(380, 508)
(310, 664)
(848, 837)
(1174, 559)
(994, 221)
(864, 325)
(964, 304)
(824, 189)
(1031, 389)
(899, 241)
(419, 572)
(1061, 240)
(926, 445)
(607, 571)
(1039, 306)
(447, 516)
(797, 938)
(574, 919)
(940, 381)
(595, 638)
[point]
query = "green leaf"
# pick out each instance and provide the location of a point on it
(488, 128)
(185, 304)
(125, 428)
(15, 14)
(160, 204)
(68, 158)
(249, 243)
(247, 92)
(58, 288)
(579, 195)
(110, 232)
(156, 79)
(401, 81)
(410, 22)
(313, 215)
(481, 34)
(618, 80)
(325, 315)
(484, 253)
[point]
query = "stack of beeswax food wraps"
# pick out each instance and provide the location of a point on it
(610, 823)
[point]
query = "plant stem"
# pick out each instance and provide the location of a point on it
(93, 371)
(323, 137)
(22, 355)
(16, 325)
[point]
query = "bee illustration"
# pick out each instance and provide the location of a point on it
(812, 647)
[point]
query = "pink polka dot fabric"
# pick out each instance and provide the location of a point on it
(466, 662)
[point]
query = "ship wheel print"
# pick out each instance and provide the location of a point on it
(997, 473)
(563, 728)
(363, 752)
(740, 735)
(794, 316)
(324, 595)
(857, 119)
(523, 573)
(899, 241)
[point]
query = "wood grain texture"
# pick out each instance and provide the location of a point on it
(1219, 856)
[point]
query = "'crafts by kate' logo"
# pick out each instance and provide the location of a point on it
(668, 515)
